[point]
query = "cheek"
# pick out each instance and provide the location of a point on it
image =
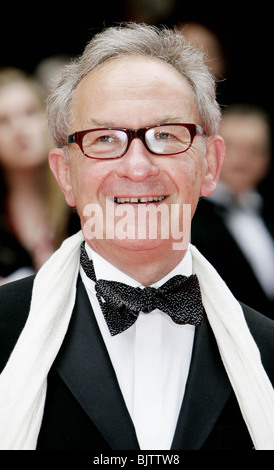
(8, 153)
(6, 140)
(86, 178)
(188, 178)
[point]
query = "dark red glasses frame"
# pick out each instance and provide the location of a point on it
(77, 137)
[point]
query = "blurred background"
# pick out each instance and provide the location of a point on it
(30, 33)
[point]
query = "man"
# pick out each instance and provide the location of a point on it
(101, 365)
(236, 212)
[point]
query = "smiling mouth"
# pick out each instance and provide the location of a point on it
(136, 200)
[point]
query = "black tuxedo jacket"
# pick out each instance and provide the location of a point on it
(211, 236)
(85, 409)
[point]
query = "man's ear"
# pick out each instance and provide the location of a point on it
(215, 153)
(59, 166)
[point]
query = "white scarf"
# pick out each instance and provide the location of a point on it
(23, 382)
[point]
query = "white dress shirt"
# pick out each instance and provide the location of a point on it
(151, 359)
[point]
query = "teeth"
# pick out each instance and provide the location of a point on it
(122, 200)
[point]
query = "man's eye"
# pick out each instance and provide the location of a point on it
(167, 136)
(106, 138)
(164, 136)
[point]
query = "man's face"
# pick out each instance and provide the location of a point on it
(24, 140)
(247, 151)
(134, 92)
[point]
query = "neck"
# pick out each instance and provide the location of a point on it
(27, 205)
(145, 266)
(25, 182)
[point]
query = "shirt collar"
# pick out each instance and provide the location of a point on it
(105, 270)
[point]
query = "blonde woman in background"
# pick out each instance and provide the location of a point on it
(33, 216)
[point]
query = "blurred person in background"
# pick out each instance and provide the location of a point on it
(209, 43)
(32, 213)
(236, 216)
(148, 11)
(48, 70)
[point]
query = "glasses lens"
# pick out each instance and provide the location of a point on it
(168, 140)
(104, 143)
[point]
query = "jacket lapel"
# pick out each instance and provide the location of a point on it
(206, 393)
(85, 367)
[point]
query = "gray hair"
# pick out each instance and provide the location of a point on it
(142, 40)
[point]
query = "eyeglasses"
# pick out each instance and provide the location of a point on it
(113, 142)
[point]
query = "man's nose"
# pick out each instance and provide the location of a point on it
(138, 163)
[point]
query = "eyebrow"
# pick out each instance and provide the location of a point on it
(169, 119)
(98, 123)
(161, 120)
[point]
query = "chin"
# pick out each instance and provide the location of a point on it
(142, 245)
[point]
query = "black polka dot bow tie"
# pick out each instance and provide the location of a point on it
(179, 297)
